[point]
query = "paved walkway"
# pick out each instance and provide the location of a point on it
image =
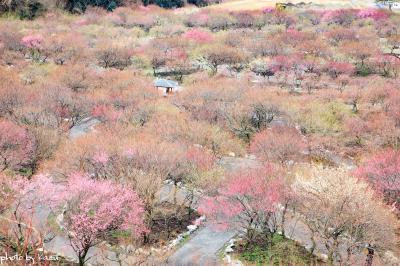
(204, 245)
(202, 248)
(84, 127)
(60, 244)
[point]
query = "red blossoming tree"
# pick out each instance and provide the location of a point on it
(248, 201)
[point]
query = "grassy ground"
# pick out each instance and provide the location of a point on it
(283, 251)
(236, 5)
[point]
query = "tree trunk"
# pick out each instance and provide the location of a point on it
(330, 258)
(81, 261)
(283, 219)
(145, 238)
(370, 256)
(348, 253)
(355, 107)
(191, 199)
(82, 256)
(175, 191)
(313, 244)
(331, 251)
(189, 213)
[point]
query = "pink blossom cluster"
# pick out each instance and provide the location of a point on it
(32, 41)
(82, 22)
(382, 171)
(197, 35)
(202, 18)
(386, 59)
(294, 34)
(200, 158)
(178, 53)
(17, 146)
(373, 13)
(285, 63)
(106, 112)
(338, 15)
(99, 110)
(339, 68)
(268, 10)
(257, 191)
(130, 152)
(101, 157)
(94, 207)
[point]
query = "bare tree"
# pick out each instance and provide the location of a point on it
(344, 212)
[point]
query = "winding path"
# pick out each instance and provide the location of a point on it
(203, 247)
(60, 243)
(84, 127)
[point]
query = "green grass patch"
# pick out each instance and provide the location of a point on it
(282, 251)
(184, 240)
(52, 223)
(326, 118)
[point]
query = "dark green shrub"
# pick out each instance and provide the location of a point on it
(364, 71)
(169, 3)
(198, 2)
(31, 10)
(25, 9)
(280, 251)
(81, 5)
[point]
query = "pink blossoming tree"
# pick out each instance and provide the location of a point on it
(32, 41)
(200, 158)
(373, 13)
(387, 65)
(106, 112)
(93, 210)
(20, 231)
(34, 45)
(279, 143)
(382, 171)
(198, 36)
(199, 19)
(335, 69)
(269, 9)
(248, 201)
(342, 17)
(17, 146)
